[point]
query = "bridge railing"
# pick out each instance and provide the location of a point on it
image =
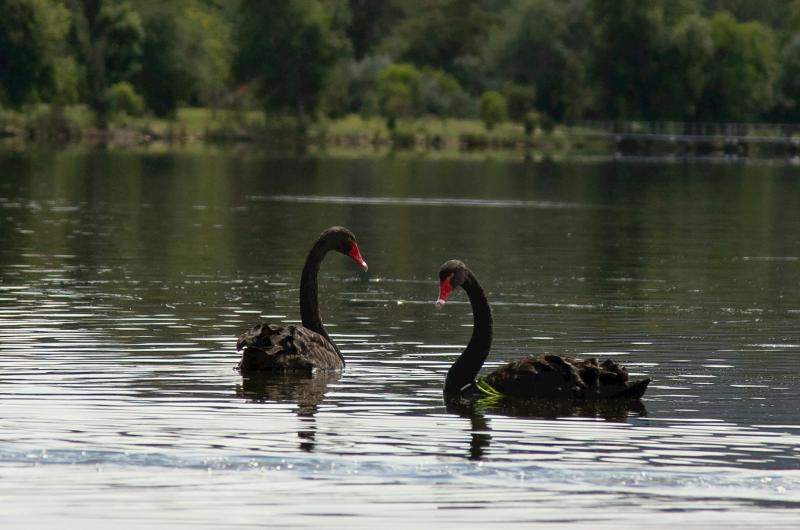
(707, 129)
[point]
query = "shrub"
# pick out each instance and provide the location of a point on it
(441, 94)
(471, 141)
(397, 92)
(121, 98)
(493, 109)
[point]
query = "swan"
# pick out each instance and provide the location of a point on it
(278, 347)
(544, 376)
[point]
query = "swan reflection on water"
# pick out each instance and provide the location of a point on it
(304, 389)
(476, 410)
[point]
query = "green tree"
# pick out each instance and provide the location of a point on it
(628, 44)
(370, 22)
(689, 50)
(107, 35)
(31, 32)
(441, 94)
(493, 108)
(789, 82)
(288, 48)
(791, 21)
(397, 92)
(577, 94)
(520, 100)
(438, 33)
(534, 47)
(774, 13)
(360, 78)
(742, 73)
(122, 98)
(187, 53)
(66, 81)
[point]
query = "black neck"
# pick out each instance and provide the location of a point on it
(468, 364)
(309, 305)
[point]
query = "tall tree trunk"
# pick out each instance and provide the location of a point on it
(301, 126)
(92, 41)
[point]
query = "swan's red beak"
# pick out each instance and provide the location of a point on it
(445, 288)
(356, 255)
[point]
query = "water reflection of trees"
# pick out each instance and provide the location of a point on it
(476, 410)
(306, 390)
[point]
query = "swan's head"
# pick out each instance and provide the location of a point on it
(451, 275)
(342, 240)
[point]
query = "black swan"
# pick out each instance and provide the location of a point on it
(270, 347)
(544, 377)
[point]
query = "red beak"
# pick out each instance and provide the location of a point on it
(356, 255)
(445, 288)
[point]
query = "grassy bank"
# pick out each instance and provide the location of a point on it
(45, 125)
(196, 125)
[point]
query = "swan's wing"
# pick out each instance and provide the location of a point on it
(279, 347)
(545, 377)
(608, 379)
(557, 377)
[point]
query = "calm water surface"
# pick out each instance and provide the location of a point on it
(125, 278)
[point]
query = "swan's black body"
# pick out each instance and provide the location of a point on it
(287, 348)
(270, 347)
(538, 377)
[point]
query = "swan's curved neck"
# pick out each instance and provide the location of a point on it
(309, 305)
(468, 364)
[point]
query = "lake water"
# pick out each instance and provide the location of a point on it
(126, 276)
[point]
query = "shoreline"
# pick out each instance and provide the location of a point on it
(196, 126)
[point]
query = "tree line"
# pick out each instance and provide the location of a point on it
(525, 60)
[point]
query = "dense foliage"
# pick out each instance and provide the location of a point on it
(522, 60)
